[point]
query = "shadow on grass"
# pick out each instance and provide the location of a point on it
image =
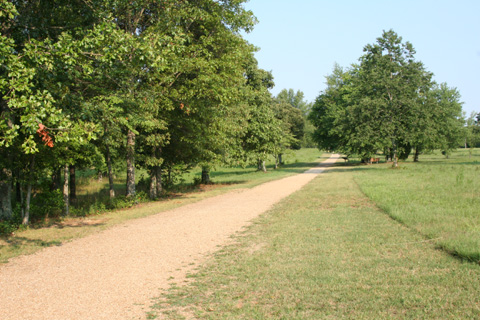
(447, 162)
(231, 173)
(77, 224)
(16, 241)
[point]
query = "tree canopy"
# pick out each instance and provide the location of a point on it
(388, 102)
(120, 85)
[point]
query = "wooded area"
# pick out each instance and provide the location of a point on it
(161, 85)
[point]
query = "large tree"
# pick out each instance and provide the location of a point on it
(387, 102)
(390, 84)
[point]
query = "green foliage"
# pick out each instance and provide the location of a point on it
(387, 102)
(77, 78)
(292, 110)
(472, 131)
(46, 204)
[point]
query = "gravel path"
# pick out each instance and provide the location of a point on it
(113, 274)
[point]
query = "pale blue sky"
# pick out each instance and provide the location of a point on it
(301, 40)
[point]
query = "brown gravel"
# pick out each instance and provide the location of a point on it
(114, 274)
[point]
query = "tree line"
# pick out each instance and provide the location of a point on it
(162, 85)
(389, 102)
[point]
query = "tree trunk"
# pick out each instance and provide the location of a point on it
(110, 173)
(18, 188)
(66, 201)
(395, 158)
(6, 177)
(130, 164)
(6, 194)
(205, 175)
(56, 179)
(153, 184)
(280, 159)
(276, 162)
(26, 213)
(417, 154)
(261, 165)
(73, 184)
(158, 173)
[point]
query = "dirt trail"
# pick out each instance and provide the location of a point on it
(114, 273)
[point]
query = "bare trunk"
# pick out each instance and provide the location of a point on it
(110, 174)
(158, 173)
(56, 179)
(18, 188)
(417, 154)
(6, 194)
(26, 213)
(395, 157)
(73, 183)
(280, 159)
(130, 164)
(6, 177)
(261, 165)
(66, 200)
(205, 175)
(153, 184)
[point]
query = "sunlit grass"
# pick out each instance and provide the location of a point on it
(328, 252)
(438, 197)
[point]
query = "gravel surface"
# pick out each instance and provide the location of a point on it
(115, 273)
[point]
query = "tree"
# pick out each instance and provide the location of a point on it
(264, 131)
(390, 83)
(472, 131)
(30, 116)
(295, 99)
(292, 110)
(387, 102)
(445, 128)
(333, 132)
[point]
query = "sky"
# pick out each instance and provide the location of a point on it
(301, 40)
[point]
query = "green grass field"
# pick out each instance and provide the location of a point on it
(329, 252)
(438, 198)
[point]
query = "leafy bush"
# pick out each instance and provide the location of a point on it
(46, 204)
(7, 227)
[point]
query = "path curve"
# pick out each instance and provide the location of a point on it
(113, 274)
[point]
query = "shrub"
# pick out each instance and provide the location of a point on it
(46, 204)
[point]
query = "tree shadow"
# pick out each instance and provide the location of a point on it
(214, 174)
(16, 241)
(443, 162)
(77, 224)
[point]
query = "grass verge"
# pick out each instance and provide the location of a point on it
(328, 252)
(56, 232)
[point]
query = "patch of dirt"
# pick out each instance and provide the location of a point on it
(113, 274)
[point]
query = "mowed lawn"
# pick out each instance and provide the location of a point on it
(438, 197)
(328, 252)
